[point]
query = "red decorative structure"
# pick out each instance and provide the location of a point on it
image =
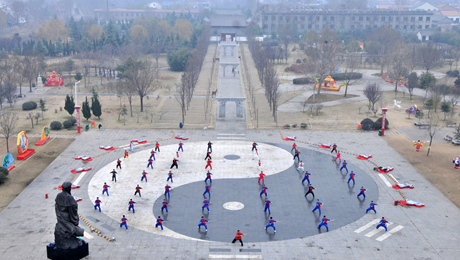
(45, 136)
(54, 80)
(77, 199)
(81, 169)
(181, 137)
(72, 187)
(364, 156)
(400, 186)
(385, 169)
(139, 141)
(289, 138)
(77, 108)
(411, 203)
(325, 146)
(23, 143)
(84, 158)
(107, 148)
(384, 112)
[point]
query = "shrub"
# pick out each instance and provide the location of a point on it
(30, 105)
(294, 125)
(3, 178)
(287, 125)
(72, 120)
(453, 73)
(303, 125)
(378, 124)
(177, 60)
(55, 125)
(4, 171)
(367, 124)
(298, 61)
(67, 124)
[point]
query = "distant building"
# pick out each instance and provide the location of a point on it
(449, 12)
(232, 25)
(346, 20)
(423, 6)
(425, 35)
(125, 15)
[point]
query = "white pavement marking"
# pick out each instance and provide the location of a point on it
(373, 232)
(79, 178)
(389, 233)
(235, 256)
(87, 235)
(385, 180)
(361, 229)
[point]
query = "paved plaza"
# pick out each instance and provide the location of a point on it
(431, 232)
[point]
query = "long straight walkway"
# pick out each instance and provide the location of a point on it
(230, 105)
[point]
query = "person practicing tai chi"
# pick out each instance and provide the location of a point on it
(334, 148)
(352, 178)
(174, 163)
(382, 223)
(205, 204)
(157, 147)
(207, 190)
(159, 223)
(203, 223)
(124, 222)
(300, 168)
(372, 207)
(209, 147)
(167, 189)
(261, 177)
(208, 164)
(181, 148)
(318, 206)
(238, 237)
(138, 190)
(131, 205)
(126, 155)
(254, 146)
(344, 165)
(307, 177)
(165, 206)
(114, 175)
(118, 164)
(271, 223)
(208, 156)
(97, 204)
(324, 223)
(260, 165)
(170, 176)
(208, 177)
(105, 189)
(294, 147)
(144, 176)
(338, 157)
(264, 191)
(310, 190)
(297, 153)
(362, 192)
(152, 155)
(150, 163)
(267, 206)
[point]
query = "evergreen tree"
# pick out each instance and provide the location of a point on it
(59, 47)
(51, 49)
(74, 32)
(96, 105)
(69, 104)
(102, 41)
(72, 47)
(39, 48)
(86, 110)
(67, 49)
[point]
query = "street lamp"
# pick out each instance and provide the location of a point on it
(77, 108)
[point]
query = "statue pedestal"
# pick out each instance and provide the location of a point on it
(68, 254)
(25, 155)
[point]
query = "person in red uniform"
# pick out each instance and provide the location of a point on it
(297, 153)
(150, 163)
(114, 175)
(167, 188)
(105, 189)
(372, 207)
(205, 204)
(238, 237)
(118, 164)
(207, 190)
(254, 146)
(131, 205)
(208, 177)
(264, 191)
(318, 206)
(294, 147)
(334, 148)
(157, 146)
(138, 190)
(180, 147)
(208, 164)
(324, 223)
(124, 222)
(352, 178)
(267, 206)
(159, 223)
(144, 176)
(362, 192)
(382, 223)
(97, 204)
(271, 223)
(310, 190)
(261, 177)
(170, 174)
(126, 155)
(165, 206)
(209, 146)
(203, 223)
(208, 155)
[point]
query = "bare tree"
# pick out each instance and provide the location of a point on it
(9, 92)
(129, 91)
(287, 34)
(8, 122)
(412, 83)
(351, 67)
(397, 66)
(454, 97)
(18, 68)
(429, 56)
(373, 92)
(181, 90)
(271, 84)
(380, 44)
(432, 129)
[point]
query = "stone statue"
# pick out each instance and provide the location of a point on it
(67, 229)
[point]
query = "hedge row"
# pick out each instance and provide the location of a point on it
(337, 76)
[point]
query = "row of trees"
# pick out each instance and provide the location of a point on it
(86, 109)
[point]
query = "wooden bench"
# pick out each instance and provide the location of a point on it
(451, 125)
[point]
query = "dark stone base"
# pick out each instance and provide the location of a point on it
(68, 254)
